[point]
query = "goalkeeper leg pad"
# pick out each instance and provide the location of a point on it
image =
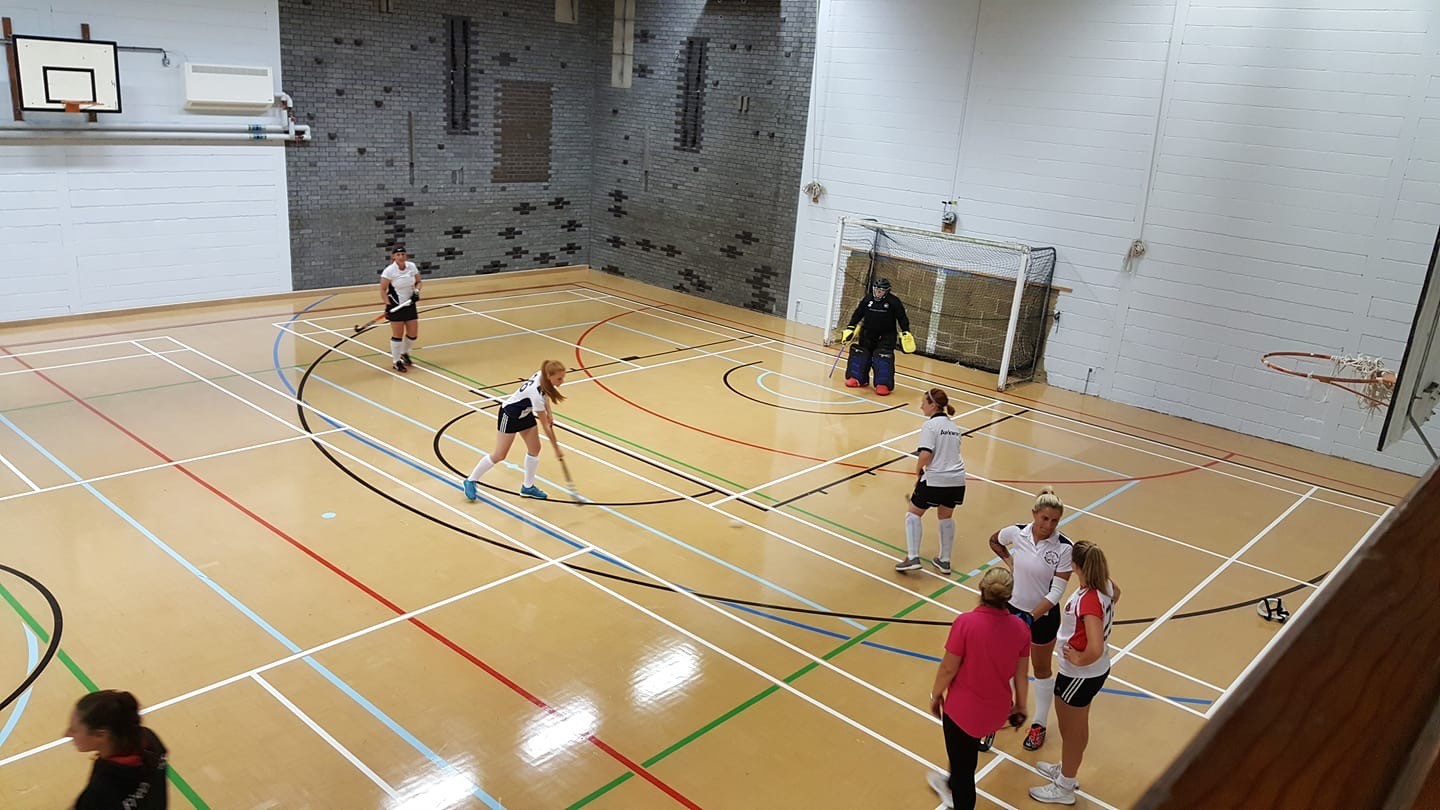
(857, 368)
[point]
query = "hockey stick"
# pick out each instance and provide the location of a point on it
(569, 481)
(378, 318)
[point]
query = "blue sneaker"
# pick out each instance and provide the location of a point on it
(470, 493)
(534, 492)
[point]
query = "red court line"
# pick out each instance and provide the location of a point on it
(371, 592)
(134, 330)
(1003, 397)
(580, 363)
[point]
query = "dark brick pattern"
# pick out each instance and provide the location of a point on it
(717, 222)
(351, 194)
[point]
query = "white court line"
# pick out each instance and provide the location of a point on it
(863, 546)
(471, 404)
(447, 506)
(128, 342)
(334, 642)
(97, 479)
(852, 397)
(16, 470)
(783, 538)
(1161, 619)
(428, 317)
(827, 463)
(325, 735)
(440, 303)
(1290, 623)
(809, 356)
(35, 369)
(463, 308)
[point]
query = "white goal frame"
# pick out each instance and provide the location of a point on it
(837, 270)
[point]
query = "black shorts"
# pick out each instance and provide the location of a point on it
(516, 418)
(926, 496)
(1042, 630)
(1078, 692)
(405, 313)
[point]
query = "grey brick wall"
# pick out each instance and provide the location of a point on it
(718, 222)
(357, 75)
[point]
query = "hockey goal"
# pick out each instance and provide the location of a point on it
(976, 302)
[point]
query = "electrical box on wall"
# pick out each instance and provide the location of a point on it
(229, 89)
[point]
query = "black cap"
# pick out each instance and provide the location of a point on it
(882, 283)
(397, 249)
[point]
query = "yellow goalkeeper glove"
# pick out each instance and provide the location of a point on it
(848, 333)
(907, 343)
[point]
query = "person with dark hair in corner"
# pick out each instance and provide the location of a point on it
(130, 761)
(874, 346)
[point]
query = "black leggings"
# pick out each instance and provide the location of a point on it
(964, 753)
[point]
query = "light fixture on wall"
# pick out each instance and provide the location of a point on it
(948, 217)
(814, 190)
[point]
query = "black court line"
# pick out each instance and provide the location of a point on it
(304, 418)
(871, 469)
(440, 454)
(610, 363)
(739, 393)
(57, 619)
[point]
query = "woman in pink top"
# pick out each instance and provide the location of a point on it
(981, 684)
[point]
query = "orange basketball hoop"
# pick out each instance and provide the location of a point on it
(1365, 377)
(80, 106)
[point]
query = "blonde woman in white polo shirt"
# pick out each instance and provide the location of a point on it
(1039, 556)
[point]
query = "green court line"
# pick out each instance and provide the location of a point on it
(738, 487)
(171, 773)
(755, 699)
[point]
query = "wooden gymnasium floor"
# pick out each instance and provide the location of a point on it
(317, 618)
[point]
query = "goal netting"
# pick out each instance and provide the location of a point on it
(971, 301)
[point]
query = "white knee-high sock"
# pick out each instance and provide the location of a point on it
(395, 350)
(406, 344)
(912, 535)
(532, 463)
(947, 538)
(1044, 696)
(482, 468)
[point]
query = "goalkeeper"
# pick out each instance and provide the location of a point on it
(873, 326)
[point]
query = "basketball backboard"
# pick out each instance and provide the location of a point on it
(1417, 385)
(53, 71)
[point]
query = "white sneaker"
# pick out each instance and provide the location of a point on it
(940, 783)
(1049, 770)
(1053, 793)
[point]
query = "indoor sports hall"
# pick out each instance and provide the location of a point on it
(282, 274)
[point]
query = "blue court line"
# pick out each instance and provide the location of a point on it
(32, 660)
(446, 480)
(275, 348)
(374, 710)
(731, 566)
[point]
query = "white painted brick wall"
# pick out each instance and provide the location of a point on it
(107, 226)
(1294, 199)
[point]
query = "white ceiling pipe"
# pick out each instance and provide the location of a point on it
(302, 133)
(243, 128)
